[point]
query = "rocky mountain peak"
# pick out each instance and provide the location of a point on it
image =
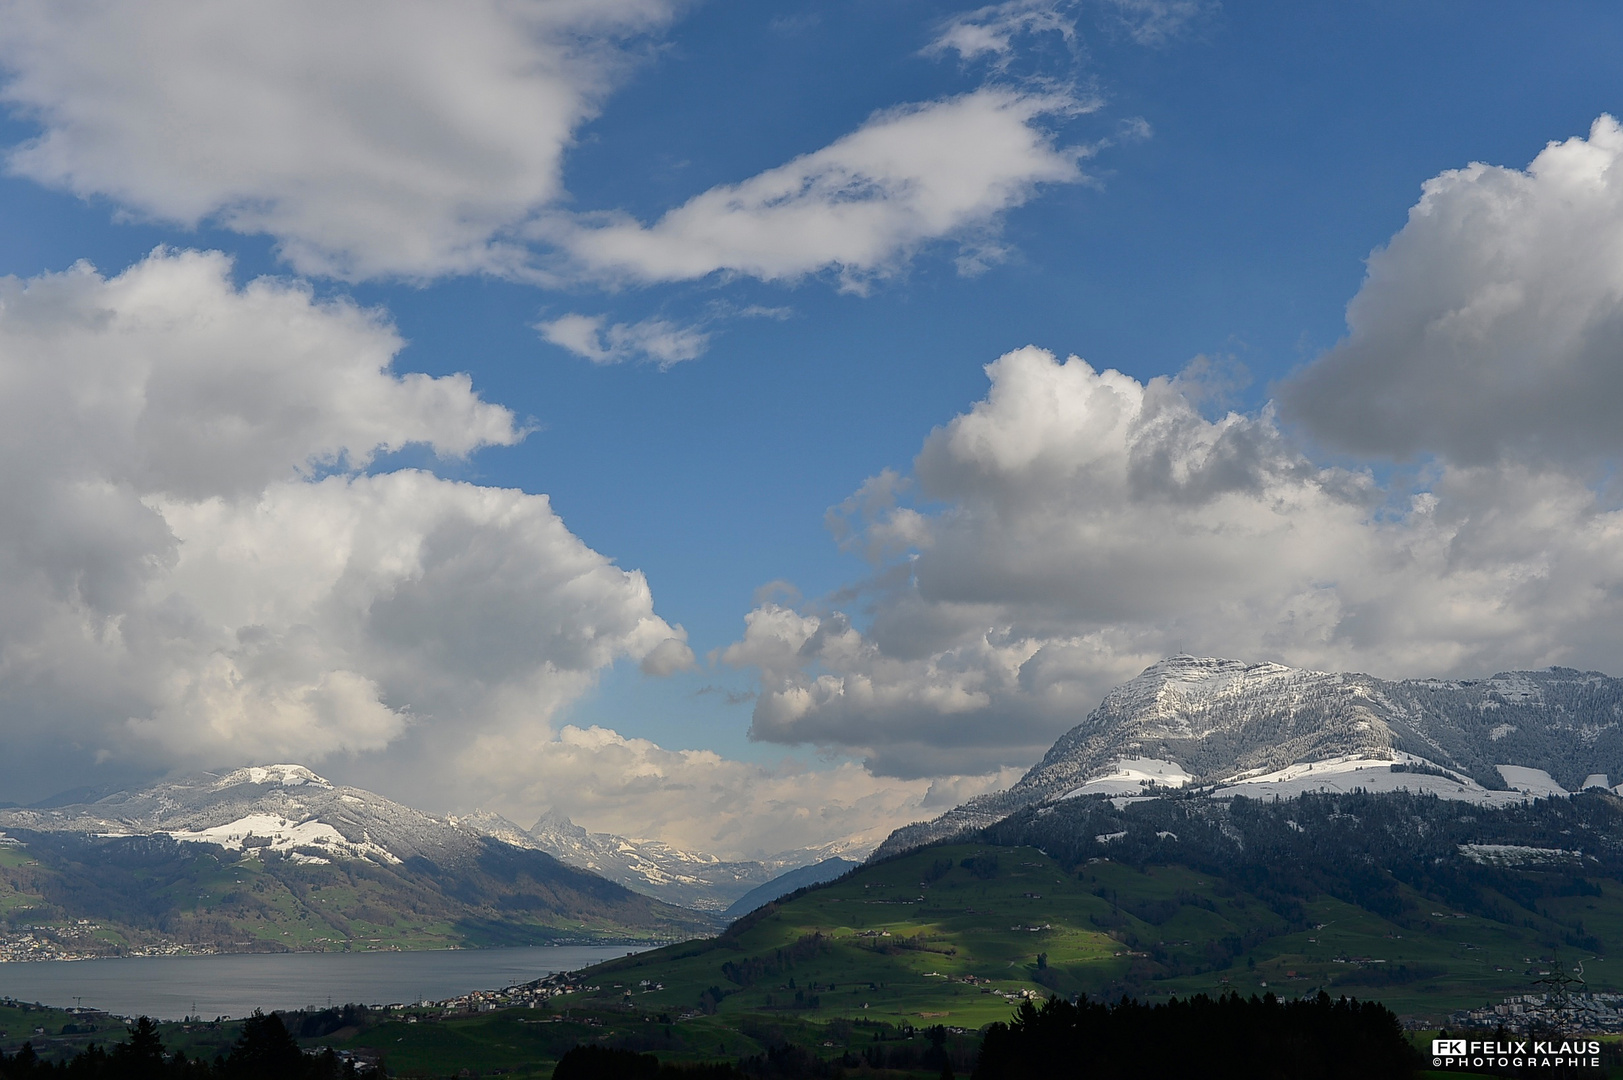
(556, 823)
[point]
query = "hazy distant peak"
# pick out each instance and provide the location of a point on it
(486, 823)
(556, 821)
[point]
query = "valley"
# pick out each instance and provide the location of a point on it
(914, 955)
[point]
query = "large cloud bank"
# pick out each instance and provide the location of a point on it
(1077, 524)
(197, 568)
(200, 569)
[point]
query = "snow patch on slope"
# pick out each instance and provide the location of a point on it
(283, 835)
(1531, 781)
(1351, 773)
(1130, 776)
(1348, 763)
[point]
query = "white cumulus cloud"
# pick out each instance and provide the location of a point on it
(368, 137)
(1491, 326)
(197, 571)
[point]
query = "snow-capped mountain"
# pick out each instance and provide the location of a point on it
(292, 810)
(1267, 729)
(658, 869)
(248, 860)
(284, 808)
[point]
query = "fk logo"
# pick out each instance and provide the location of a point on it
(1448, 1048)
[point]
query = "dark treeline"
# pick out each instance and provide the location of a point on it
(1227, 1037)
(264, 1051)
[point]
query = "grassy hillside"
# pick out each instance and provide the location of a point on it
(63, 893)
(954, 934)
(939, 943)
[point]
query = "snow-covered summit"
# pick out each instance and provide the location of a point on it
(1167, 688)
(279, 775)
(283, 808)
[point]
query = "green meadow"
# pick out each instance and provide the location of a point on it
(955, 934)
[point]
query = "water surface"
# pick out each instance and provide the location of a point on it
(173, 987)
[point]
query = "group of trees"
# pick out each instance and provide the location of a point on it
(1221, 1038)
(264, 1051)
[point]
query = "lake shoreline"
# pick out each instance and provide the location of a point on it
(234, 984)
(19, 949)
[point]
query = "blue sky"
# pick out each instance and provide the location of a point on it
(1233, 167)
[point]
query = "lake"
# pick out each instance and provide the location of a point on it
(173, 987)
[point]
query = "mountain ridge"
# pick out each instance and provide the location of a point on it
(273, 858)
(290, 809)
(1222, 723)
(655, 868)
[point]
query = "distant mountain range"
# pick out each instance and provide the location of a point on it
(552, 882)
(276, 857)
(652, 867)
(693, 880)
(1267, 730)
